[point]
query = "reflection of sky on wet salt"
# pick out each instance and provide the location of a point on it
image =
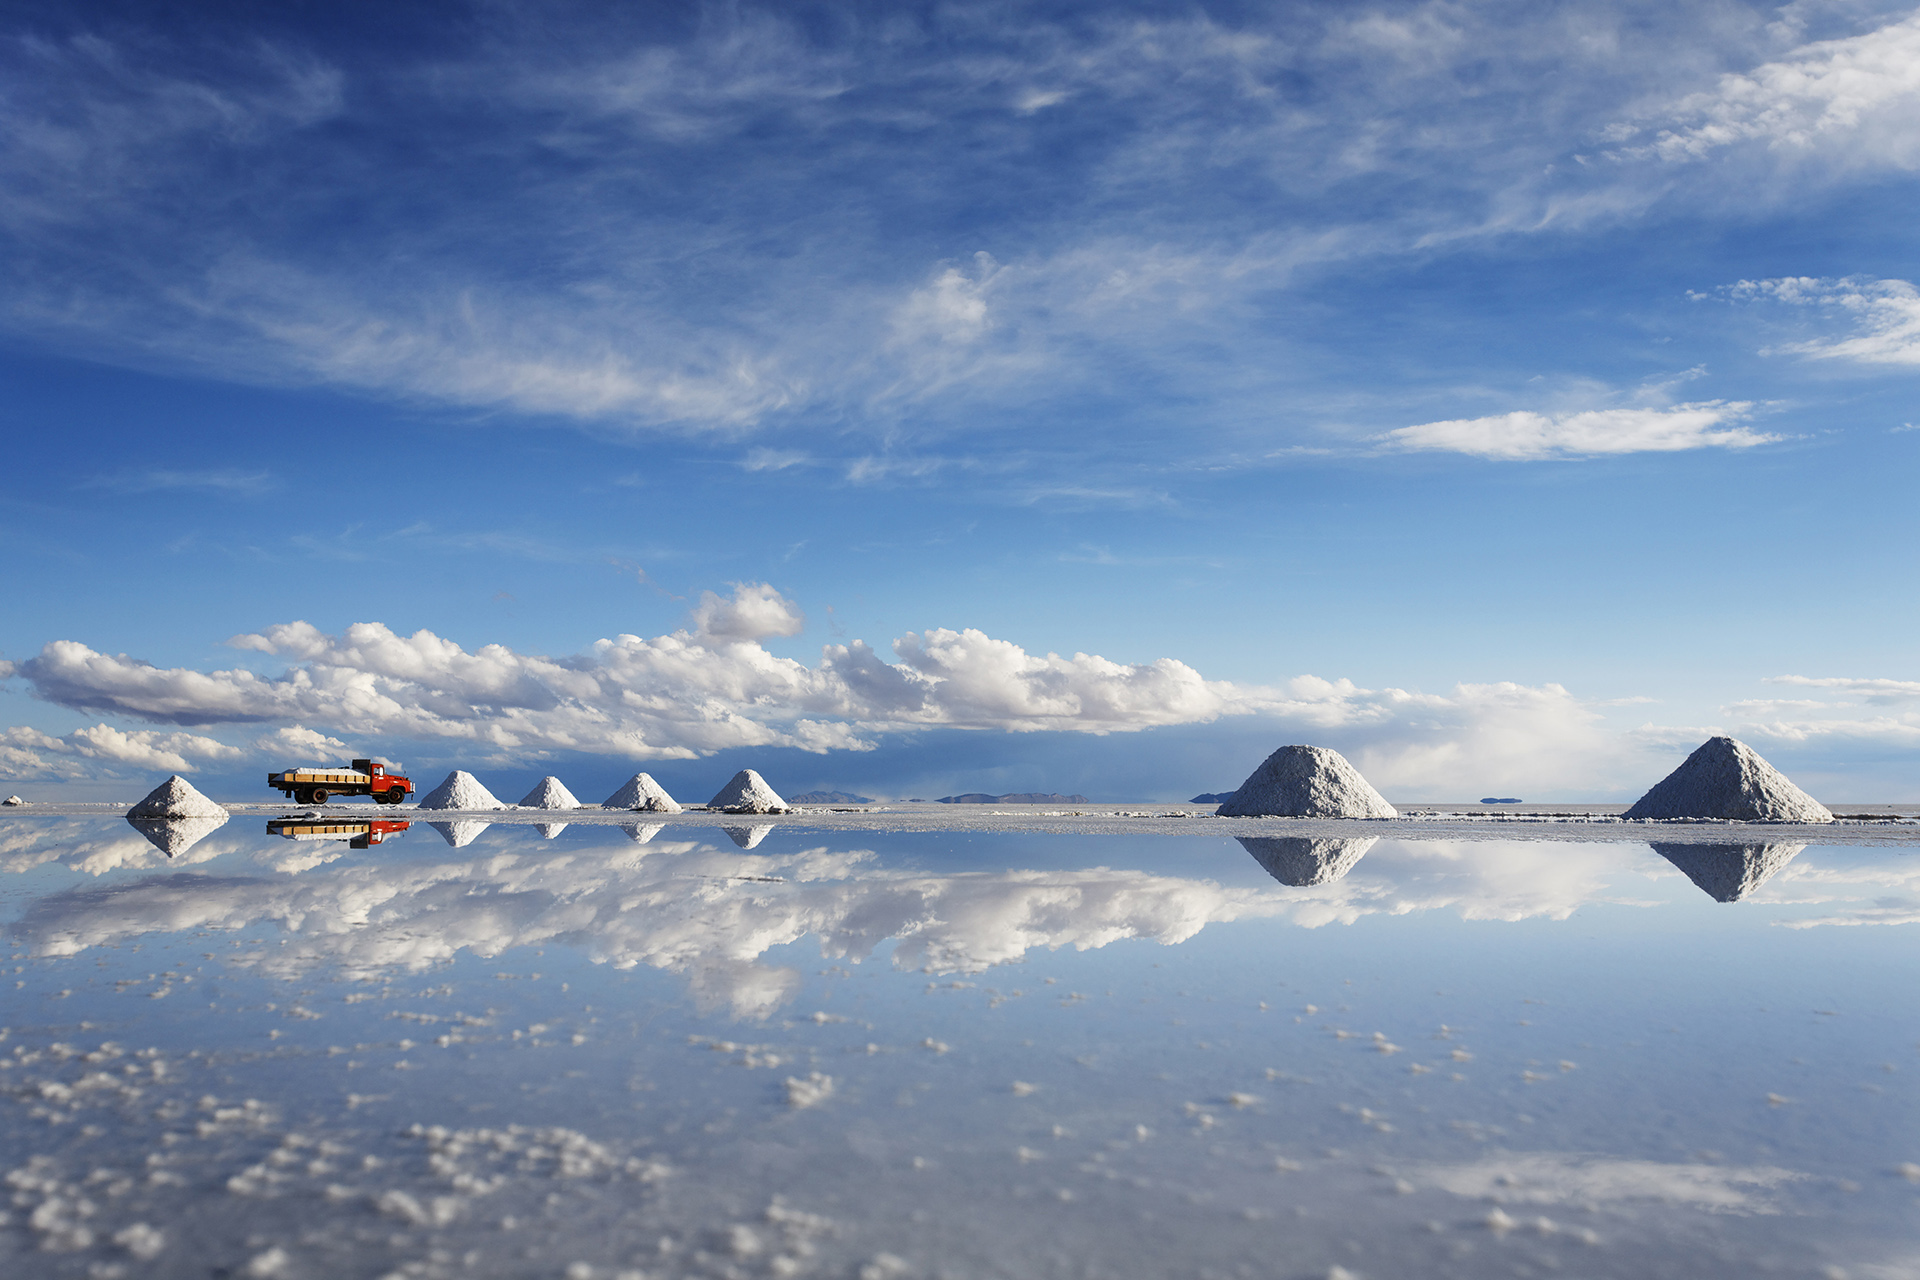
(591, 1052)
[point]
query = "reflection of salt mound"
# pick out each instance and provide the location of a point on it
(550, 794)
(462, 833)
(1306, 782)
(1725, 778)
(461, 790)
(174, 836)
(548, 830)
(176, 798)
(642, 832)
(642, 792)
(1728, 872)
(748, 793)
(1300, 862)
(749, 837)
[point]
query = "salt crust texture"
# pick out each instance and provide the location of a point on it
(748, 793)
(643, 793)
(550, 794)
(1301, 861)
(461, 790)
(1725, 778)
(1306, 782)
(1728, 872)
(174, 836)
(176, 798)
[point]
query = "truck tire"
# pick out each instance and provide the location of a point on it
(396, 795)
(317, 796)
(302, 795)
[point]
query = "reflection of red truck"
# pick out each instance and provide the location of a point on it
(361, 835)
(365, 778)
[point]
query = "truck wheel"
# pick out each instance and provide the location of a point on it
(301, 795)
(396, 795)
(319, 795)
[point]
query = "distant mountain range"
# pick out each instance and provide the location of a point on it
(1212, 797)
(1015, 797)
(828, 797)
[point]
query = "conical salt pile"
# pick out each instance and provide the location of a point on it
(748, 793)
(462, 833)
(548, 830)
(11, 801)
(1301, 862)
(749, 837)
(174, 836)
(176, 798)
(641, 832)
(1728, 872)
(550, 794)
(642, 792)
(1725, 778)
(462, 791)
(1306, 782)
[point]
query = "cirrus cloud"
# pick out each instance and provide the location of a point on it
(1526, 436)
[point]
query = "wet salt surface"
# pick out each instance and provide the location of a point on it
(953, 1054)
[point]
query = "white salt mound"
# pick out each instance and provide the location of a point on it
(749, 837)
(643, 793)
(10, 801)
(1725, 778)
(461, 790)
(462, 833)
(176, 798)
(550, 794)
(174, 836)
(1728, 872)
(1306, 782)
(1303, 862)
(748, 793)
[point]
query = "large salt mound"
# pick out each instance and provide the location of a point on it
(1306, 782)
(748, 793)
(461, 790)
(1302, 862)
(1725, 778)
(550, 794)
(176, 798)
(462, 833)
(1728, 872)
(749, 837)
(643, 793)
(174, 836)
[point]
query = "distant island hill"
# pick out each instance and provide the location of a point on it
(1014, 797)
(830, 797)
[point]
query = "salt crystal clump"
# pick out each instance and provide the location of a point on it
(1728, 872)
(462, 833)
(461, 790)
(748, 793)
(11, 801)
(749, 837)
(1725, 778)
(642, 792)
(174, 836)
(1306, 782)
(176, 798)
(550, 794)
(1301, 862)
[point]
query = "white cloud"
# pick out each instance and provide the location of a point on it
(1878, 691)
(1527, 436)
(1543, 1178)
(1883, 314)
(755, 612)
(298, 741)
(1855, 99)
(102, 750)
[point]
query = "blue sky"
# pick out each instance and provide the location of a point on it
(1506, 395)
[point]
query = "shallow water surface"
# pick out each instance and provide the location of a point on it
(587, 1051)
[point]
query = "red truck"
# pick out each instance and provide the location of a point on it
(364, 778)
(361, 835)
